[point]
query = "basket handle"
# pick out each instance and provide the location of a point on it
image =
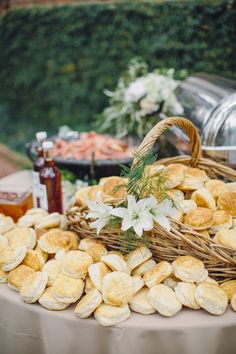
(163, 125)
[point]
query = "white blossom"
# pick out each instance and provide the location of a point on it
(99, 211)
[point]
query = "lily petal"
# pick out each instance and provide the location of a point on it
(163, 221)
(127, 223)
(120, 212)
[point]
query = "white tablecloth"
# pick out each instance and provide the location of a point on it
(31, 329)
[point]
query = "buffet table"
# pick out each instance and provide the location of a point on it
(31, 329)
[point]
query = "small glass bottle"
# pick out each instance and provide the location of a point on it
(38, 165)
(50, 179)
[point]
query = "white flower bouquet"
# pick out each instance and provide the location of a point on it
(139, 100)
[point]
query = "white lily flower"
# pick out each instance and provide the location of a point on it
(160, 211)
(99, 211)
(135, 215)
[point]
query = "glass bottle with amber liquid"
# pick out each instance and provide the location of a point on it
(50, 180)
(38, 165)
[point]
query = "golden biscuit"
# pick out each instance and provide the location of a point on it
(174, 174)
(6, 224)
(17, 276)
(115, 187)
(230, 187)
(199, 218)
(138, 256)
(44, 254)
(139, 303)
(176, 195)
(157, 274)
(34, 260)
(164, 300)
(117, 288)
(186, 205)
(12, 257)
(189, 269)
(229, 287)
(227, 202)
(226, 238)
(29, 219)
(24, 236)
(97, 271)
(37, 211)
(64, 223)
(93, 247)
(108, 315)
(144, 267)
(115, 262)
(194, 179)
(171, 281)
(67, 290)
(211, 298)
(233, 302)
(138, 283)
(76, 264)
(210, 280)
(3, 276)
(53, 269)
(48, 301)
(54, 240)
(88, 284)
(118, 254)
(154, 170)
(33, 287)
(203, 198)
(40, 233)
(222, 220)
(215, 187)
(185, 293)
(95, 192)
(3, 243)
(48, 221)
(88, 304)
(74, 240)
(81, 196)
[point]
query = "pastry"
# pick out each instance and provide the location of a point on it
(12, 257)
(157, 274)
(88, 304)
(67, 290)
(64, 223)
(49, 221)
(3, 243)
(194, 179)
(95, 192)
(154, 170)
(138, 256)
(144, 267)
(164, 300)
(211, 298)
(48, 301)
(44, 254)
(74, 239)
(171, 281)
(226, 238)
(54, 240)
(36, 211)
(229, 287)
(140, 303)
(203, 198)
(221, 220)
(199, 218)
(60, 255)
(185, 293)
(81, 196)
(117, 288)
(97, 271)
(53, 268)
(227, 202)
(3, 276)
(40, 233)
(76, 264)
(118, 254)
(33, 287)
(17, 276)
(115, 262)
(204, 233)
(210, 280)
(176, 195)
(233, 302)
(88, 284)
(174, 174)
(186, 205)
(115, 187)
(215, 187)
(230, 187)
(34, 260)
(189, 269)
(29, 219)
(108, 315)
(24, 236)
(93, 247)
(138, 283)
(6, 224)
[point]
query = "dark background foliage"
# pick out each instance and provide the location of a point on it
(55, 62)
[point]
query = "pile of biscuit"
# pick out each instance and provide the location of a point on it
(52, 266)
(206, 205)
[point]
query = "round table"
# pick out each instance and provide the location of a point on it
(31, 329)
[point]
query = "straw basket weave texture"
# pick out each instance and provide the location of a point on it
(181, 240)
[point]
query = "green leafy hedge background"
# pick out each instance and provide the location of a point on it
(55, 62)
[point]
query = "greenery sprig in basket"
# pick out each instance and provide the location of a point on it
(147, 214)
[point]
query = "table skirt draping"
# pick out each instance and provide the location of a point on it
(31, 329)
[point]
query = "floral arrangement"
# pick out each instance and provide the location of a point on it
(139, 100)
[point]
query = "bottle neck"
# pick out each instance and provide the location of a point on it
(48, 157)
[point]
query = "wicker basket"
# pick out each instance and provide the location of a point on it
(181, 240)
